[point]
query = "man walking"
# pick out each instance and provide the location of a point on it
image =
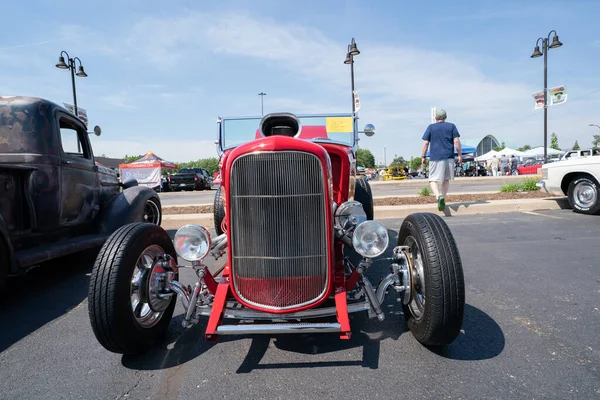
(495, 164)
(442, 137)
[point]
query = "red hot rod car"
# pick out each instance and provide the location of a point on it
(292, 209)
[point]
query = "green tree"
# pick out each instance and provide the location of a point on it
(554, 141)
(210, 164)
(499, 148)
(414, 163)
(398, 161)
(129, 159)
(576, 146)
(365, 158)
(596, 142)
(524, 148)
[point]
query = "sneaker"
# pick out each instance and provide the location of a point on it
(441, 203)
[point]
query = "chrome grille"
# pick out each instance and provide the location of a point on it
(278, 229)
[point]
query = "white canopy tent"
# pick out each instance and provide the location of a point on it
(507, 151)
(539, 151)
(488, 156)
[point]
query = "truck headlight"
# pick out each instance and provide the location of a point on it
(192, 242)
(370, 239)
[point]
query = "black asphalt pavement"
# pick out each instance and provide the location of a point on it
(531, 330)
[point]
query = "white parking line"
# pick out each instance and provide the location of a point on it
(541, 215)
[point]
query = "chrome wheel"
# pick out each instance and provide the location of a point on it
(152, 212)
(147, 303)
(585, 194)
(417, 305)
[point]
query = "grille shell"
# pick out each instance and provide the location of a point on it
(278, 229)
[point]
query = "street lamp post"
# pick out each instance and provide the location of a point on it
(352, 51)
(71, 65)
(537, 53)
(262, 95)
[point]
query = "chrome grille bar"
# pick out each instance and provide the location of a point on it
(278, 229)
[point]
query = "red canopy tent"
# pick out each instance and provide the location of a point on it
(146, 170)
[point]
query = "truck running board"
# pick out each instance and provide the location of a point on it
(271, 329)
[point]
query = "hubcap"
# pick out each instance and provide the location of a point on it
(585, 195)
(151, 212)
(417, 305)
(146, 287)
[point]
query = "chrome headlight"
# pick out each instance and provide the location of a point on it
(370, 239)
(349, 214)
(192, 242)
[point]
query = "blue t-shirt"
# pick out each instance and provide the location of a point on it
(441, 140)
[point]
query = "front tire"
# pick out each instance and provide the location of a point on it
(584, 195)
(126, 314)
(363, 194)
(435, 313)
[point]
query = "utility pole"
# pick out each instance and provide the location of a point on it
(262, 95)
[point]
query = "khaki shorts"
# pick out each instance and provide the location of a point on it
(442, 170)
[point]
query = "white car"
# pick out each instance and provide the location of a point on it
(578, 178)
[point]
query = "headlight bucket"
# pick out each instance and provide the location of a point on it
(192, 242)
(370, 239)
(349, 214)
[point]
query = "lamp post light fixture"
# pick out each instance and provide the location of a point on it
(262, 95)
(597, 126)
(544, 52)
(352, 51)
(72, 62)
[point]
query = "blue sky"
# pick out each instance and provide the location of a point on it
(160, 73)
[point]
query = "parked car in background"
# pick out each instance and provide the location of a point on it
(190, 179)
(578, 178)
(577, 153)
(55, 199)
(530, 166)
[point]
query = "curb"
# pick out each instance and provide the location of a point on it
(175, 221)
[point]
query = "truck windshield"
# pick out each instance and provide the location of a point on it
(318, 128)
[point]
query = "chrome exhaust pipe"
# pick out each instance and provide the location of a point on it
(276, 329)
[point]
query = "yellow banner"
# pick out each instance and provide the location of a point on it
(338, 124)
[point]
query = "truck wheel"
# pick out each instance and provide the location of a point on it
(584, 195)
(152, 211)
(362, 194)
(218, 211)
(435, 313)
(126, 314)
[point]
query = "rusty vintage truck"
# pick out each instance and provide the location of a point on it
(55, 199)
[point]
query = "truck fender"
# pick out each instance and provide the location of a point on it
(7, 245)
(126, 208)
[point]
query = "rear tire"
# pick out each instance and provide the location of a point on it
(110, 296)
(435, 313)
(363, 194)
(584, 195)
(218, 211)
(152, 211)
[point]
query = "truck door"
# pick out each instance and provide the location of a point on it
(79, 193)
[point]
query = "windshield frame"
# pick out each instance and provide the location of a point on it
(352, 145)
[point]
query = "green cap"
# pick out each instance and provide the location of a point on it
(440, 114)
